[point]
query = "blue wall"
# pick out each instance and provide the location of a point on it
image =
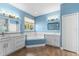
(42, 21)
(17, 11)
(68, 8)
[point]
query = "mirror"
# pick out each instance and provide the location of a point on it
(3, 25)
(13, 25)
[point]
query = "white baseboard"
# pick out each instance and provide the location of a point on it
(38, 45)
(77, 52)
(61, 48)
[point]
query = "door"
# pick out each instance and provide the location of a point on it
(69, 32)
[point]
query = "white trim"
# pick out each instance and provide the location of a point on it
(61, 48)
(77, 52)
(38, 45)
(77, 33)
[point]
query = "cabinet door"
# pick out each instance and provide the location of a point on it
(50, 40)
(53, 40)
(57, 40)
(1, 49)
(9, 48)
(47, 39)
(19, 42)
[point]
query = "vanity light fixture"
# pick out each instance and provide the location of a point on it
(8, 14)
(52, 18)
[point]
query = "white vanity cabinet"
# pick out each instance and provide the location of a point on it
(53, 40)
(19, 42)
(9, 48)
(1, 48)
(9, 44)
(6, 46)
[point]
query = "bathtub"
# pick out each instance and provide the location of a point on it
(35, 39)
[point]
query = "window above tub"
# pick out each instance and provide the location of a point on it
(28, 24)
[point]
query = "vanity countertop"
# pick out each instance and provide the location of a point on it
(46, 33)
(7, 36)
(52, 33)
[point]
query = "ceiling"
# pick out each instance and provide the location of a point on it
(37, 9)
